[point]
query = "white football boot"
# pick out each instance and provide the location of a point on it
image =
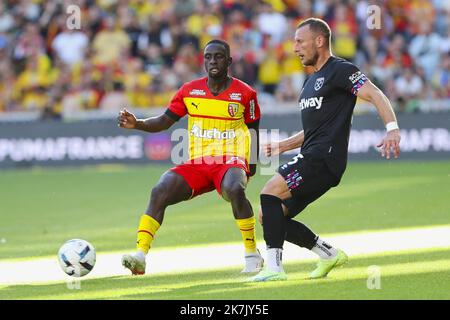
(135, 263)
(254, 262)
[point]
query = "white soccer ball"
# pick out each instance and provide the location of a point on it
(76, 257)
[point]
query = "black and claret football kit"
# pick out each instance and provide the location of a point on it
(327, 100)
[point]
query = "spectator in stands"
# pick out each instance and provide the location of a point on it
(286, 90)
(442, 21)
(441, 78)
(113, 101)
(28, 43)
(396, 58)
(137, 83)
(409, 88)
(269, 74)
(344, 29)
(110, 42)
(42, 56)
(153, 60)
(272, 23)
(425, 48)
(70, 45)
(419, 10)
(187, 64)
(6, 18)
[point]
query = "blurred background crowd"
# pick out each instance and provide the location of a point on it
(138, 53)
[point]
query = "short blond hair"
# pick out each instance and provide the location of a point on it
(319, 26)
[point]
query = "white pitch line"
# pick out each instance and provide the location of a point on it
(179, 260)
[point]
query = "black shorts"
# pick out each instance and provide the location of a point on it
(308, 178)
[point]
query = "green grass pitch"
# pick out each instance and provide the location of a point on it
(42, 208)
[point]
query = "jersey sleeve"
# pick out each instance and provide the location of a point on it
(350, 78)
(177, 108)
(252, 112)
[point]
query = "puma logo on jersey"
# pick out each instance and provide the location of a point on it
(195, 105)
(313, 102)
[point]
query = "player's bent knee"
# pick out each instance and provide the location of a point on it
(233, 192)
(271, 188)
(277, 187)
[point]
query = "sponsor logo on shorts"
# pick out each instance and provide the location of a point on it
(293, 179)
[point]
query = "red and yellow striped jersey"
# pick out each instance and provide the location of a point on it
(217, 125)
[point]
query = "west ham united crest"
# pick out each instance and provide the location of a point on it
(233, 109)
(319, 83)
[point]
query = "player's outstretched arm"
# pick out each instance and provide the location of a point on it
(279, 147)
(391, 142)
(128, 120)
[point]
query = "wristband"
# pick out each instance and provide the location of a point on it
(391, 126)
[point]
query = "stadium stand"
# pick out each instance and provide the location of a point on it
(137, 53)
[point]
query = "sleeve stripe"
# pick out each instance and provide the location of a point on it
(172, 115)
(358, 85)
(212, 117)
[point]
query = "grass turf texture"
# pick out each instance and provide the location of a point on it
(40, 209)
(409, 275)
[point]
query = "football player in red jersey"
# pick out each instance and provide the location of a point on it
(221, 112)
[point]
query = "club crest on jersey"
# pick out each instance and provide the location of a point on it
(233, 109)
(319, 83)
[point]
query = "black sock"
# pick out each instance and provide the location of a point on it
(274, 225)
(299, 234)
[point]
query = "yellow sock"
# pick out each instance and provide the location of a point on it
(247, 227)
(146, 232)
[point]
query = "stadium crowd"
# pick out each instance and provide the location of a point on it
(138, 52)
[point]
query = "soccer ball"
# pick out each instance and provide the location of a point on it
(76, 257)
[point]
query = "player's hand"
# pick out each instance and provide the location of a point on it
(271, 149)
(126, 119)
(390, 143)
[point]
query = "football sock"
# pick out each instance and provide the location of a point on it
(299, 234)
(140, 255)
(324, 250)
(146, 233)
(274, 259)
(274, 225)
(247, 228)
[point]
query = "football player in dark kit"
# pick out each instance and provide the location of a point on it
(326, 101)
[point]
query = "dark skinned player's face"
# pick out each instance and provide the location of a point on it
(216, 60)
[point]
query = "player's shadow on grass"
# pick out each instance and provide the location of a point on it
(221, 284)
